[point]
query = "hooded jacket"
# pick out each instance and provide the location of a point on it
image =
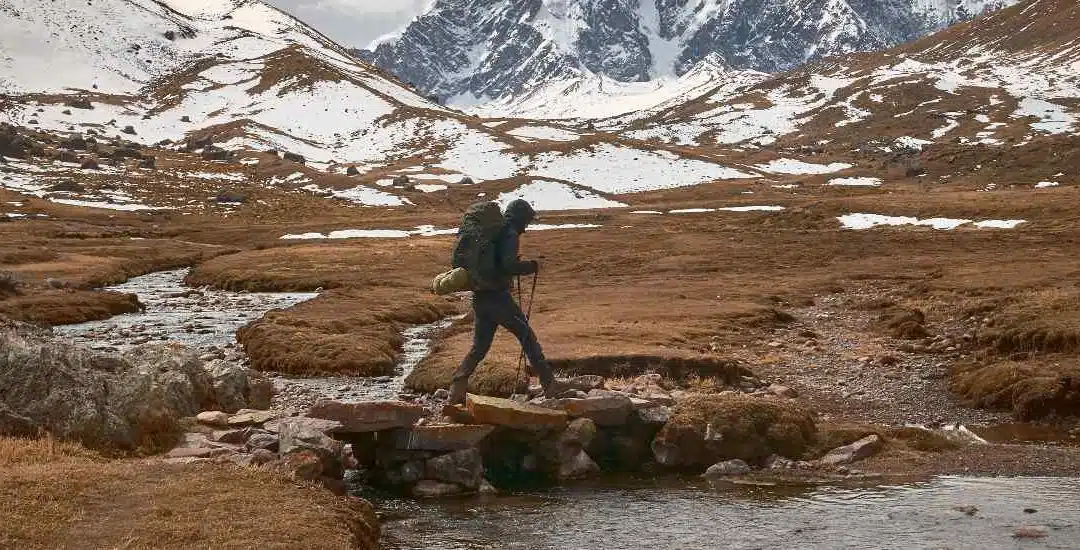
(519, 214)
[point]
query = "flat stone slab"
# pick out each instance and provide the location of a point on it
(514, 415)
(370, 416)
(605, 410)
(859, 450)
(449, 437)
(250, 418)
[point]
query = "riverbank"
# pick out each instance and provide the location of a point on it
(60, 495)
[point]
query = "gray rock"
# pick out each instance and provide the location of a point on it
(369, 416)
(655, 416)
(404, 474)
(586, 382)
(859, 450)
(103, 401)
(465, 468)
(232, 437)
(262, 456)
(486, 488)
(728, 468)
(298, 435)
(579, 432)
(268, 442)
(606, 409)
(578, 466)
(237, 387)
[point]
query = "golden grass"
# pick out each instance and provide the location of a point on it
(58, 497)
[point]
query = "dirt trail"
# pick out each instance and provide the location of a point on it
(831, 355)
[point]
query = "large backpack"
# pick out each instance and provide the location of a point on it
(474, 257)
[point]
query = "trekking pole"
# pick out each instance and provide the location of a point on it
(521, 374)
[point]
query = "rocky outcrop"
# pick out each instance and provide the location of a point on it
(859, 450)
(127, 402)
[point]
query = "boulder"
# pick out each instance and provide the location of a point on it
(213, 418)
(486, 488)
(262, 456)
(448, 437)
(352, 171)
(514, 415)
(371, 416)
(265, 441)
(299, 436)
(104, 401)
(148, 163)
(90, 164)
(654, 416)
(578, 466)
(427, 488)
(401, 180)
(405, 473)
(303, 464)
(706, 429)
(232, 437)
(466, 181)
(579, 433)
(604, 408)
(465, 468)
(734, 467)
(237, 387)
(293, 157)
(853, 452)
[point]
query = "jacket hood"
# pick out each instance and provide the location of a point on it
(519, 214)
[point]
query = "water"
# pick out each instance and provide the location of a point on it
(355, 389)
(200, 318)
(692, 515)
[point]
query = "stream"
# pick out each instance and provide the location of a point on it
(689, 514)
(616, 513)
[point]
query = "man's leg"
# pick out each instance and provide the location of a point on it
(507, 313)
(484, 328)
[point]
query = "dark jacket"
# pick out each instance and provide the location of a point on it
(519, 214)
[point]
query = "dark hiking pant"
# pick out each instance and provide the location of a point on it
(495, 309)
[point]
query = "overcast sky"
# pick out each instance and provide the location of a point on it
(353, 22)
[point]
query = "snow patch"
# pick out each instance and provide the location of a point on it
(798, 167)
(856, 182)
(550, 195)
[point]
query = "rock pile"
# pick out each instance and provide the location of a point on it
(117, 402)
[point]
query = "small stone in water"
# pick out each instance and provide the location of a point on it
(967, 510)
(1030, 532)
(1030, 510)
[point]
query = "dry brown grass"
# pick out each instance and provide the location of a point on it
(1032, 389)
(61, 307)
(344, 332)
(59, 496)
(745, 427)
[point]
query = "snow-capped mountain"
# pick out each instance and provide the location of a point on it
(237, 69)
(471, 51)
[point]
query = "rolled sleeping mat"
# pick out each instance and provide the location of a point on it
(449, 282)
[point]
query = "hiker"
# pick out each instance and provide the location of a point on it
(494, 306)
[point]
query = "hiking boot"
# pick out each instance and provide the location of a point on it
(458, 389)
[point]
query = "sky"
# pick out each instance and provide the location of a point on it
(353, 22)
